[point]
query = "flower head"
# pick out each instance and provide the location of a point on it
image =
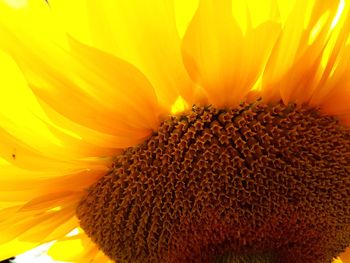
(175, 131)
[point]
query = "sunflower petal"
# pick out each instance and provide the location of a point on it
(84, 250)
(43, 227)
(108, 105)
(345, 256)
(149, 42)
(15, 247)
(34, 129)
(21, 185)
(332, 94)
(292, 71)
(125, 89)
(220, 57)
(67, 249)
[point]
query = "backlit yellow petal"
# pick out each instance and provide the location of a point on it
(23, 117)
(92, 91)
(67, 250)
(220, 57)
(21, 185)
(291, 72)
(184, 11)
(148, 42)
(17, 3)
(85, 251)
(15, 247)
(42, 226)
(337, 260)
(345, 257)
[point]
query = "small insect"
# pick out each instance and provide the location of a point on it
(14, 158)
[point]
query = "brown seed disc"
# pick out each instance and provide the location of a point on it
(247, 258)
(255, 179)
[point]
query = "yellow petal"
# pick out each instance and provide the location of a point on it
(211, 46)
(66, 249)
(51, 201)
(23, 121)
(184, 11)
(345, 256)
(337, 260)
(82, 249)
(122, 87)
(292, 70)
(15, 247)
(333, 92)
(31, 15)
(101, 258)
(52, 229)
(21, 185)
(24, 154)
(80, 141)
(19, 110)
(150, 42)
(40, 227)
(24, 135)
(220, 57)
(107, 103)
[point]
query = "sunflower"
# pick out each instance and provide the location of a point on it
(175, 131)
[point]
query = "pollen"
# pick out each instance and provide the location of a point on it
(223, 185)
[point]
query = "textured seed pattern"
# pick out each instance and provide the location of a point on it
(254, 179)
(252, 258)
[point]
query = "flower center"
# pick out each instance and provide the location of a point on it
(255, 179)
